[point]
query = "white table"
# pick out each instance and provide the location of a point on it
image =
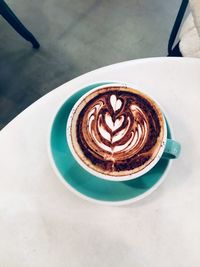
(44, 224)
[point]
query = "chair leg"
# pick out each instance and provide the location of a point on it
(175, 52)
(176, 26)
(8, 15)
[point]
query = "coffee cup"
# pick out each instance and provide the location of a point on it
(118, 133)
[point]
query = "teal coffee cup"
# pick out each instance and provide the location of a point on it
(164, 147)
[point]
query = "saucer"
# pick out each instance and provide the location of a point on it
(86, 185)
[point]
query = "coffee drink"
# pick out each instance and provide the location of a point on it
(117, 131)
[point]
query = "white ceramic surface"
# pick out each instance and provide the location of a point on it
(43, 224)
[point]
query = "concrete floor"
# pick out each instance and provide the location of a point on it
(76, 37)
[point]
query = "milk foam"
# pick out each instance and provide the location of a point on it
(114, 132)
(117, 130)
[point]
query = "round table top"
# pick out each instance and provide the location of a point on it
(44, 224)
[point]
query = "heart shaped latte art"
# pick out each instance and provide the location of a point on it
(117, 129)
(114, 130)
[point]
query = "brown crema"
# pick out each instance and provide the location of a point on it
(117, 131)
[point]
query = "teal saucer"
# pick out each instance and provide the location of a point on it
(87, 185)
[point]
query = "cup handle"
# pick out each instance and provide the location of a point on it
(172, 149)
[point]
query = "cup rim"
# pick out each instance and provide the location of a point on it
(106, 176)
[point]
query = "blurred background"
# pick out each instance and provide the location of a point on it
(75, 37)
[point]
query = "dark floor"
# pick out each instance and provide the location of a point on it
(76, 37)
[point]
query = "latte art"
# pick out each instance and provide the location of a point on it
(117, 131)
